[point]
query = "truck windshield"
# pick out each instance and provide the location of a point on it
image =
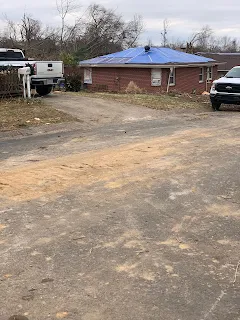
(11, 55)
(233, 73)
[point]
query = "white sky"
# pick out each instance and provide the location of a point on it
(184, 16)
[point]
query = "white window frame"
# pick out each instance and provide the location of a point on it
(172, 75)
(209, 73)
(156, 77)
(88, 75)
(201, 75)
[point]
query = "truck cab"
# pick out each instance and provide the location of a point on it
(11, 55)
(226, 89)
(45, 74)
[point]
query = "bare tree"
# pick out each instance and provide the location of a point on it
(99, 31)
(107, 32)
(30, 29)
(132, 31)
(200, 40)
(177, 44)
(234, 46)
(10, 33)
(228, 44)
(165, 32)
(65, 7)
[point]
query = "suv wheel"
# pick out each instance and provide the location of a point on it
(216, 106)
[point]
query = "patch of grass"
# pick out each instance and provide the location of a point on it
(19, 113)
(154, 101)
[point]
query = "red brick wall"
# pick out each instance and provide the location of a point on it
(117, 79)
(187, 79)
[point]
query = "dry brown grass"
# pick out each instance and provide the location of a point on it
(19, 113)
(160, 102)
(133, 88)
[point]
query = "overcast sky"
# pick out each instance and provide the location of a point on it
(185, 16)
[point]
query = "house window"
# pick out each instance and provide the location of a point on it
(172, 77)
(209, 73)
(156, 77)
(201, 75)
(88, 75)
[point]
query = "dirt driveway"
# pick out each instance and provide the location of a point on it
(99, 111)
(133, 219)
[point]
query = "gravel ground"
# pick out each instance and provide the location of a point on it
(132, 216)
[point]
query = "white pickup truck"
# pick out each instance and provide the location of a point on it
(226, 89)
(45, 74)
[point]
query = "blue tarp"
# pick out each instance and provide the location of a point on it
(155, 56)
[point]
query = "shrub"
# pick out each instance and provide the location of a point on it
(10, 84)
(133, 88)
(73, 80)
(68, 59)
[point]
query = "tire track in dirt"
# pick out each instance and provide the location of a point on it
(114, 167)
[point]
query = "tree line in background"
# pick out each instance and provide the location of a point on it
(201, 41)
(97, 32)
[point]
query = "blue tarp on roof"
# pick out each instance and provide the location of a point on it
(153, 56)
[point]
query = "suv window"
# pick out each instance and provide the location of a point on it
(11, 55)
(233, 73)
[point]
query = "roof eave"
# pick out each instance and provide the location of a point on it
(202, 64)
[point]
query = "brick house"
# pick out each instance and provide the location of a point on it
(154, 70)
(226, 60)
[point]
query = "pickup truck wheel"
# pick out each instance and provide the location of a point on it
(216, 106)
(43, 90)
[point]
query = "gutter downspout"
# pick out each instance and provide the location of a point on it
(168, 85)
